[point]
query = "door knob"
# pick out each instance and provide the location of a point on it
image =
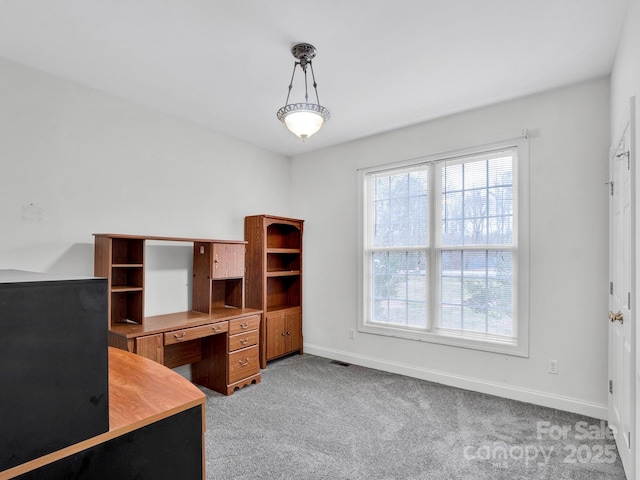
(616, 317)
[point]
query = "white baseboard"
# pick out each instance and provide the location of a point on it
(514, 393)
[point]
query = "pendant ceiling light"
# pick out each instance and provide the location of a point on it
(303, 119)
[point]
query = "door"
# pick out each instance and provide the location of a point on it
(622, 298)
(276, 334)
(294, 330)
(284, 332)
(228, 260)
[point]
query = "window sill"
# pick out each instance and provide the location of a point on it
(468, 341)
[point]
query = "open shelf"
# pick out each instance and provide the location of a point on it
(283, 290)
(121, 260)
(127, 277)
(227, 293)
(126, 305)
(281, 262)
(283, 236)
(127, 251)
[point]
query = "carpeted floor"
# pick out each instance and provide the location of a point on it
(311, 419)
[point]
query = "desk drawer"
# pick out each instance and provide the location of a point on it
(244, 324)
(186, 334)
(243, 363)
(243, 340)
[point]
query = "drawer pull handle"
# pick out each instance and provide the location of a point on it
(244, 325)
(216, 327)
(283, 334)
(184, 334)
(288, 333)
(244, 341)
(245, 363)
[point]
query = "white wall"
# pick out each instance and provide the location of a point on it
(74, 162)
(569, 139)
(625, 76)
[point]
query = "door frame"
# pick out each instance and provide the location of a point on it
(628, 122)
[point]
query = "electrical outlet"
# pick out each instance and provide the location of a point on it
(352, 334)
(553, 366)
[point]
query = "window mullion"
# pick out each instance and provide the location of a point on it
(434, 229)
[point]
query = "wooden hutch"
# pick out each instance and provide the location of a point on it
(218, 337)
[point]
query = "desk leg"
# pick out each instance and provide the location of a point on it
(151, 347)
(211, 370)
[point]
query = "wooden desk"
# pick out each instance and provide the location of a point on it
(220, 337)
(156, 428)
(222, 347)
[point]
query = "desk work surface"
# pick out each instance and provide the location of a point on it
(160, 238)
(176, 321)
(141, 391)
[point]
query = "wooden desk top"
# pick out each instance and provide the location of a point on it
(167, 239)
(180, 320)
(141, 392)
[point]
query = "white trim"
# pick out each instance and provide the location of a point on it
(535, 397)
(630, 458)
(461, 151)
(461, 340)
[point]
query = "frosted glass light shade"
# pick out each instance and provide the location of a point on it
(303, 119)
(303, 124)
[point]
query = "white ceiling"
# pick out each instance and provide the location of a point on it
(381, 64)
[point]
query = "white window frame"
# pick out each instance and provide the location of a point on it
(519, 346)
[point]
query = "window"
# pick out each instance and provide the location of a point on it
(444, 250)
